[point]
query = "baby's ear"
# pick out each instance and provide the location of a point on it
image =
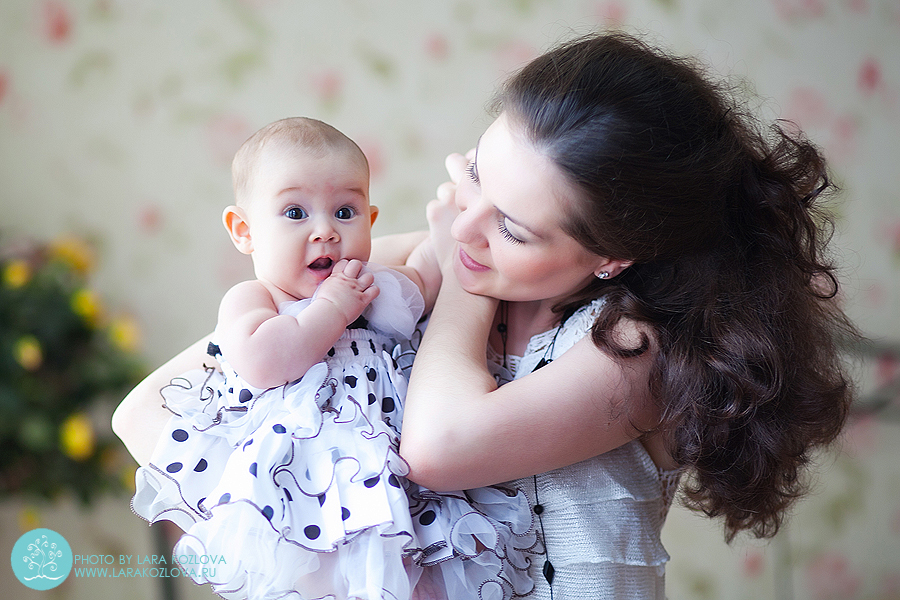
(235, 220)
(373, 213)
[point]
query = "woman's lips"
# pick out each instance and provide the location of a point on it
(470, 263)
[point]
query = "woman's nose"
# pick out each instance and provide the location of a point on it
(468, 225)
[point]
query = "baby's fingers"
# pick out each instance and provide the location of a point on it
(365, 280)
(370, 293)
(456, 166)
(350, 268)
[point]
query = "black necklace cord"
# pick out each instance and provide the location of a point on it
(538, 508)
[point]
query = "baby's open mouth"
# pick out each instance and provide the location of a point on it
(321, 264)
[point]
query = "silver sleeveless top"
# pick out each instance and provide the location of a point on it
(602, 518)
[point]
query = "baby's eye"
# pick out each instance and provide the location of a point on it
(345, 212)
(296, 213)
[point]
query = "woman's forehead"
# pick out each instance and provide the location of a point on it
(519, 179)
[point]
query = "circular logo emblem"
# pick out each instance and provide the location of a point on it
(41, 559)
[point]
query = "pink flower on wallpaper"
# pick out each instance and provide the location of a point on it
(790, 10)
(374, 152)
(611, 13)
(149, 218)
(860, 436)
(869, 78)
(887, 368)
(513, 55)
(436, 46)
(4, 85)
(809, 108)
(224, 135)
(56, 21)
(829, 577)
(326, 85)
(889, 229)
(890, 585)
(753, 563)
(858, 6)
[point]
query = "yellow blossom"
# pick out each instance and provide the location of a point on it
(29, 518)
(86, 304)
(77, 437)
(74, 252)
(126, 476)
(16, 274)
(125, 334)
(27, 352)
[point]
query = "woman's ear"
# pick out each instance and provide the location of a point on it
(610, 268)
(235, 220)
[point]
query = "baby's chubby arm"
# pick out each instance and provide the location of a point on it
(423, 265)
(269, 349)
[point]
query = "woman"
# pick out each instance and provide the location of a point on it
(646, 269)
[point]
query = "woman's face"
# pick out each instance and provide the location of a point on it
(511, 244)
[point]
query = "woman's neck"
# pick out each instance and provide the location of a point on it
(522, 320)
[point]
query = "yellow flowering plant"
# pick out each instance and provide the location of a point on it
(63, 361)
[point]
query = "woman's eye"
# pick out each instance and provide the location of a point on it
(295, 213)
(472, 173)
(504, 231)
(345, 213)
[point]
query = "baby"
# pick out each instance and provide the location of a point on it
(285, 464)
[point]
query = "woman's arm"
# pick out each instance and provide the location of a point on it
(461, 431)
(140, 418)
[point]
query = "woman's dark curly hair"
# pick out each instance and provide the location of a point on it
(729, 274)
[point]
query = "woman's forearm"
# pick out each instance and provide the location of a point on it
(140, 418)
(449, 373)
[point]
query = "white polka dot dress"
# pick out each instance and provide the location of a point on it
(296, 491)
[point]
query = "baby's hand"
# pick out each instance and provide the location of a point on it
(442, 211)
(349, 288)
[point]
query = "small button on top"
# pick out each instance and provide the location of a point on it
(538, 509)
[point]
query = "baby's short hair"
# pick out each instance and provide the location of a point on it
(301, 133)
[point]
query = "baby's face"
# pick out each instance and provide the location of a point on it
(305, 213)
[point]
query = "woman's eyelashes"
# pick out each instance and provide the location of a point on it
(505, 232)
(472, 172)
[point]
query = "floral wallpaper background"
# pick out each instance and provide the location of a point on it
(118, 120)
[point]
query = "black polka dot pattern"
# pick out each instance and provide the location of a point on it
(316, 505)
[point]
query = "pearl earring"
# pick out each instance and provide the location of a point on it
(603, 275)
